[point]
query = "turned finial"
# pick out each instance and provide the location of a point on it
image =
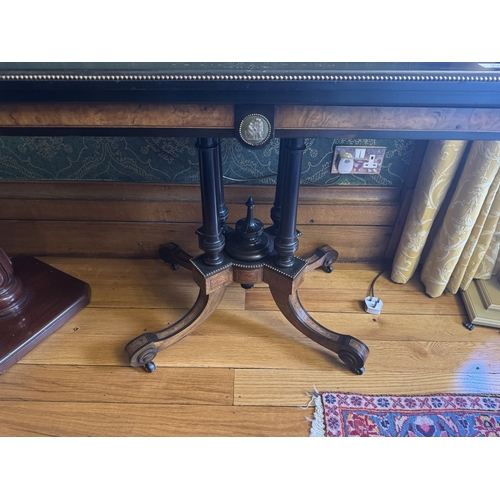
(249, 242)
(249, 228)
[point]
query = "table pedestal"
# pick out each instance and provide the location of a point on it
(252, 255)
(35, 300)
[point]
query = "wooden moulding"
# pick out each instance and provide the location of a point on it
(104, 115)
(387, 118)
(221, 116)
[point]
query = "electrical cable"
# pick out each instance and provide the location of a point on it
(249, 178)
(274, 175)
(232, 179)
(323, 185)
(372, 291)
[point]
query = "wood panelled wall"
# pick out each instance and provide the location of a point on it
(104, 219)
(99, 219)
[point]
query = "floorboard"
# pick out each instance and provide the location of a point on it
(89, 384)
(245, 371)
(32, 418)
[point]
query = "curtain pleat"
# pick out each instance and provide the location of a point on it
(439, 166)
(466, 244)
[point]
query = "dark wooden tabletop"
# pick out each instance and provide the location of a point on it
(395, 100)
(344, 84)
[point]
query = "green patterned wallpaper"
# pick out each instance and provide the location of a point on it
(175, 160)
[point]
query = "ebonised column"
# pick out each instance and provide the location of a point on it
(211, 238)
(278, 193)
(287, 242)
(219, 188)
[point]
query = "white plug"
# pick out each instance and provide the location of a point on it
(345, 163)
(373, 305)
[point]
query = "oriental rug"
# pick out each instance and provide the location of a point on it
(434, 415)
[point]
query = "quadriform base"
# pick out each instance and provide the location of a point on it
(284, 285)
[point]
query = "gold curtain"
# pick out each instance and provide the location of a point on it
(465, 235)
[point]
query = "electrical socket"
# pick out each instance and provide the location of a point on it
(367, 160)
(371, 163)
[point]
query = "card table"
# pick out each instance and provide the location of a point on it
(252, 102)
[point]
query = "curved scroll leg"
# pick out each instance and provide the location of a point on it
(143, 349)
(172, 254)
(323, 257)
(350, 350)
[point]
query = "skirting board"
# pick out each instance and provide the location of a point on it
(482, 301)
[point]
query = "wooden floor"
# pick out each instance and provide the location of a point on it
(245, 371)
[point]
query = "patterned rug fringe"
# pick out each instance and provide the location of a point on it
(339, 414)
(318, 420)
